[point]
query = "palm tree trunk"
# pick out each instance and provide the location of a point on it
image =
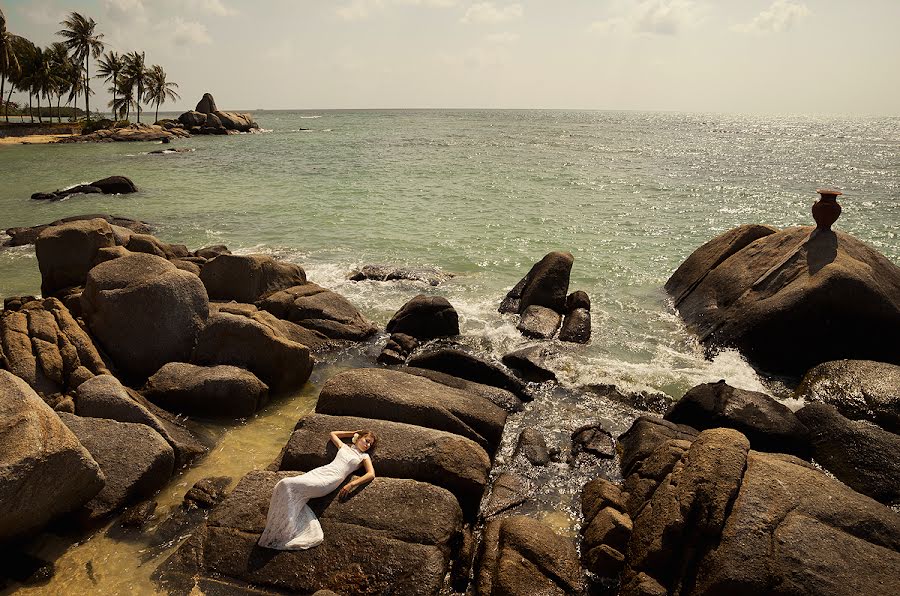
(87, 86)
(157, 112)
(2, 85)
(58, 111)
(8, 99)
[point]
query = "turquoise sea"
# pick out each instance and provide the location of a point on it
(483, 195)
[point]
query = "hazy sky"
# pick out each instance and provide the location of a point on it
(806, 56)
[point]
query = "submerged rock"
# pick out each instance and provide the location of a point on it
(429, 275)
(791, 299)
(425, 317)
(576, 327)
(546, 284)
(529, 363)
(539, 322)
(466, 366)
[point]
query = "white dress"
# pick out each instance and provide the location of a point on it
(290, 523)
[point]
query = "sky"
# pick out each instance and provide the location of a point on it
(748, 56)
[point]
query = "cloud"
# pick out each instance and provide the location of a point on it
(125, 11)
(187, 33)
(781, 16)
(503, 37)
(489, 13)
(652, 17)
(42, 13)
(213, 7)
(361, 9)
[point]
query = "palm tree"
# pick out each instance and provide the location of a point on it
(109, 68)
(9, 61)
(158, 89)
(83, 44)
(135, 76)
(65, 71)
(21, 48)
(122, 105)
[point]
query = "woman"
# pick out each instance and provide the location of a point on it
(290, 523)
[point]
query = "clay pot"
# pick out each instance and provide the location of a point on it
(826, 210)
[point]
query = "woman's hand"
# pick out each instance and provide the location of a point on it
(344, 493)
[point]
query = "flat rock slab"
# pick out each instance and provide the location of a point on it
(499, 397)
(135, 460)
(467, 366)
(393, 536)
(403, 451)
(316, 308)
(211, 391)
(395, 395)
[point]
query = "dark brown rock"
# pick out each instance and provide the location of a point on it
(136, 461)
(507, 491)
(67, 252)
(545, 285)
(429, 275)
(578, 299)
(499, 397)
(600, 493)
(532, 445)
(466, 366)
(28, 235)
(425, 317)
(770, 425)
(859, 454)
(44, 470)
(645, 435)
(246, 278)
(539, 322)
(530, 364)
(321, 310)
(593, 439)
(576, 327)
(115, 185)
(859, 389)
(209, 391)
(211, 252)
(206, 493)
(206, 105)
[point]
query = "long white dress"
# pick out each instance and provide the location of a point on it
(290, 523)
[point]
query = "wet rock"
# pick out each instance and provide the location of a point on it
(598, 494)
(539, 322)
(658, 403)
(127, 300)
(545, 285)
(648, 472)
(859, 389)
(842, 294)
(44, 470)
(136, 461)
(466, 366)
(397, 396)
(104, 396)
(609, 527)
(645, 435)
(508, 491)
(42, 344)
(280, 363)
(520, 555)
(209, 391)
(115, 185)
(404, 451)
(859, 454)
(532, 445)
(318, 309)
(246, 278)
(578, 299)
(576, 327)
(529, 363)
(424, 318)
(593, 439)
(314, 340)
(429, 275)
(67, 252)
(28, 235)
(397, 349)
(392, 536)
(499, 397)
(211, 252)
(206, 493)
(138, 515)
(770, 425)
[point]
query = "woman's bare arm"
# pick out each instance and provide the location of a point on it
(367, 477)
(337, 435)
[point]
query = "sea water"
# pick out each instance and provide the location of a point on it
(482, 195)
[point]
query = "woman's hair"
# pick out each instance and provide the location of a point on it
(366, 433)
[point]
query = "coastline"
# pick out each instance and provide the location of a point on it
(33, 139)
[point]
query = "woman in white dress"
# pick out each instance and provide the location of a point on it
(290, 523)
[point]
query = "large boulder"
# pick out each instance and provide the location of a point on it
(208, 391)
(425, 317)
(472, 368)
(770, 425)
(44, 470)
(497, 396)
(104, 396)
(192, 119)
(392, 536)
(728, 519)
(859, 389)
(546, 284)
(645, 436)
(236, 121)
(42, 344)
(539, 322)
(394, 395)
(206, 105)
(245, 278)
(314, 340)
(115, 185)
(28, 235)
(576, 327)
(859, 454)
(793, 299)
(520, 555)
(404, 451)
(316, 308)
(237, 340)
(144, 312)
(136, 461)
(67, 252)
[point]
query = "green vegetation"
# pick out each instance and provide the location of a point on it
(63, 70)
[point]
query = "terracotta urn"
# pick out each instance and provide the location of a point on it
(826, 210)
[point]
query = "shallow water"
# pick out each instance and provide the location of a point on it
(483, 194)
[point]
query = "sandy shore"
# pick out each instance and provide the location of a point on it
(32, 139)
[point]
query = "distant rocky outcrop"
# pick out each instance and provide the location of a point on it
(129, 133)
(791, 299)
(113, 185)
(207, 119)
(430, 275)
